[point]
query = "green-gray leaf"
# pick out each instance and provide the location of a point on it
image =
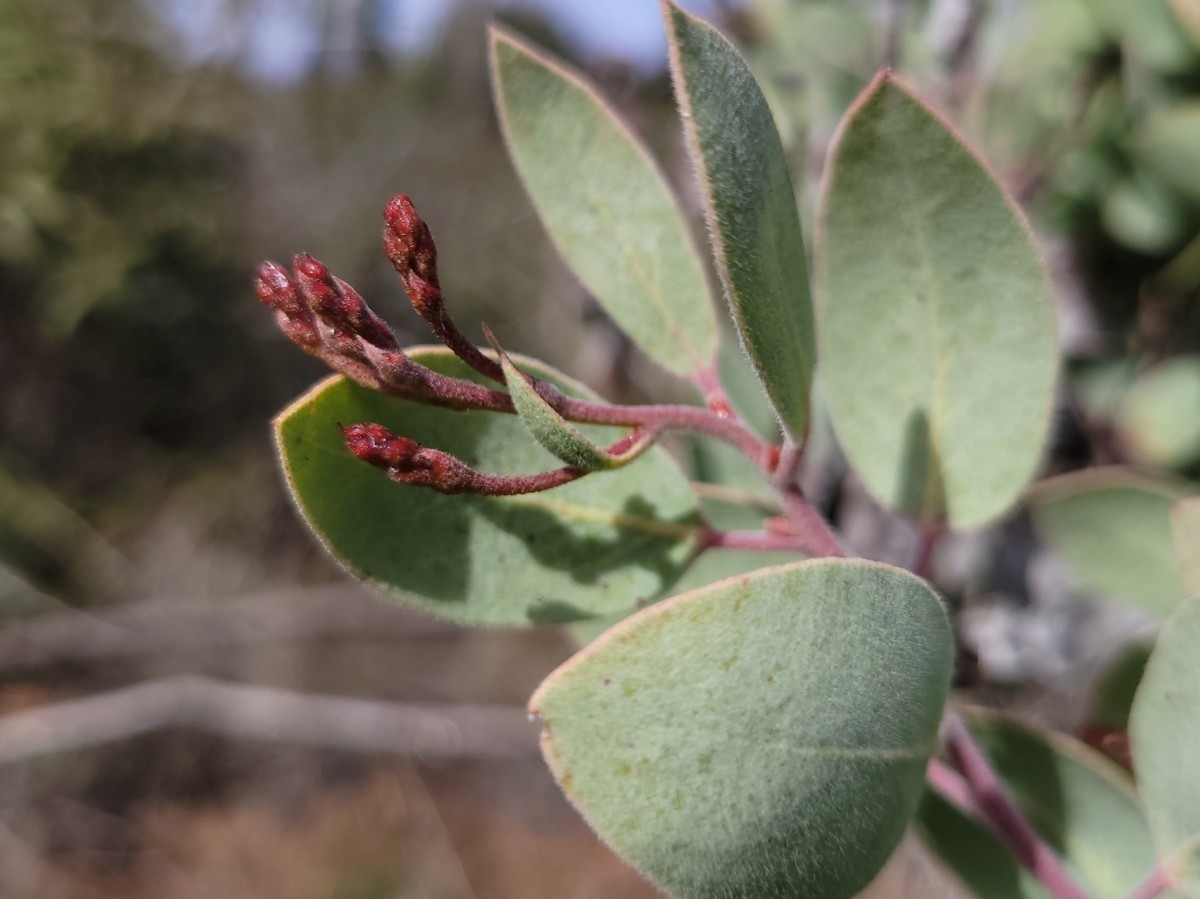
(558, 435)
(1112, 697)
(750, 208)
(1113, 529)
(1185, 523)
(762, 737)
(605, 204)
(1164, 730)
(1159, 416)
(936, 319)
(601, 545)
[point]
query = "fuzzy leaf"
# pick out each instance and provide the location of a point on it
(764, 737)
(555, 433)
(1113, 529)
(1164, 730)
(597, 546)
(936, 320)
(712, 566)
(1185, 523)
(606, 205)
(750, 208)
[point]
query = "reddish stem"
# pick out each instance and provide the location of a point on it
(813, 530)
(1000, 813)
(790, 457)
(752, 540)
(927, 542)
(1157, 883)
(951, 786)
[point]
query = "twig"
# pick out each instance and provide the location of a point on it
(266, 713)
(752, 540)
(813, 530)
(1001, 815)
(1154, 885)
(951, 786)
(927, 542)
(173, 629)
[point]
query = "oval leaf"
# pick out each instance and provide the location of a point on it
(558, 435)
(1113, 529)
(605, 204)
(937, 324)
(1185, 523)
(1164, 730)
(750, 209)
(765, 737)
(1159, 416)
(601, 545)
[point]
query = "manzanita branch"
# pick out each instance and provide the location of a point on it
(327, 318)
(951, 786)
(1157, 883)
(812, 528)
(714, 538)
(1000, 813)
(927, 541)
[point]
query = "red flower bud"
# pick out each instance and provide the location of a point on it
(408, 241)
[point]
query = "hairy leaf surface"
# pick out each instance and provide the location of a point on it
(605, 204)
(750, 208)
(598, 546)
(937, 324)
(765, 736)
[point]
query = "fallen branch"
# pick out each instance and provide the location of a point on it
(172, 629)
(267, 713)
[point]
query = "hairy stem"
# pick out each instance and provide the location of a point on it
(812, 529)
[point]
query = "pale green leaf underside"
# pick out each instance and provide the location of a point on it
(937, 324)
(750, 209)
(764, 737)
(1113, 529)
(606, 206)
(1164, 729)
(1185, 523)
(598, 546)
